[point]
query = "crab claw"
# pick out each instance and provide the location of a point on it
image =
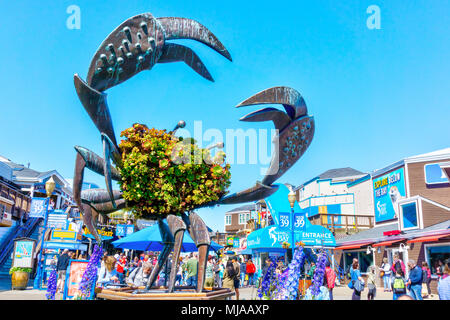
(259, 191)
(182, 28)
(295, 127)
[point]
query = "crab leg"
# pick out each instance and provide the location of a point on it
(168, 240)
(199, 233)
(177, 227)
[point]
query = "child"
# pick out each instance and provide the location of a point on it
(371, 283)
(398, 285)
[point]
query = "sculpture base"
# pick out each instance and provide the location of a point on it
(160, 293)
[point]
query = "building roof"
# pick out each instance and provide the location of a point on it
(377, 232)
(339, 173)
(247, 207)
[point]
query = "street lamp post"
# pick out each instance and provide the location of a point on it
(49, 188)
(291, 198)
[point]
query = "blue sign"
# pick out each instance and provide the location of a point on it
(38, 207)
(434, 174)
(123, 230)
(388, 190)
(299, 221)
(316, 235)
(236, 243)
(284, 220)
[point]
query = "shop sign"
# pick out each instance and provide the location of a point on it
(230, 241)
(123, 230)
(388, 190)
(38, 207)
(434, 174)
(236, 243)
(23, 253)
(57, 219)
(63, 235)
(316, 235)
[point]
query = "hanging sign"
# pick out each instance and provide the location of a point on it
(38, 207)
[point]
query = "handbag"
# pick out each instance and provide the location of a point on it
(381, 273)
(358, 285)
(350, 284)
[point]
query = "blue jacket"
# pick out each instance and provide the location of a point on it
(415, 275)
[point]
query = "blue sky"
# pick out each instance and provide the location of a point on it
(377, 95)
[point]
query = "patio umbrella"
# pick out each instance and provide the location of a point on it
(149, 239)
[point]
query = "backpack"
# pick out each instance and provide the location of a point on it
(399, 285)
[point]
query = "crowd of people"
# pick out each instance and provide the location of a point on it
(416, 286)
(235, 272)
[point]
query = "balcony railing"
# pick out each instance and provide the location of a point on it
(334, 222)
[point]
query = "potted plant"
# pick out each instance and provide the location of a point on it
(19, 277)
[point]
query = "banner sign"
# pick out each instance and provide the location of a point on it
(23, 253)
(73, 278)
(299, 221)
(38, 207)
(388, 190)
(106, 233)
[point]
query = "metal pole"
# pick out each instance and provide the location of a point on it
(292, 228)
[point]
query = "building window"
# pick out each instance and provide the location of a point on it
(243, 218)
(365, 260)
(227, 220)
(436, 255)
(409, 216)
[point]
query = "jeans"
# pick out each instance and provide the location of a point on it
(415, 291)
(250, 278)
(331, 293)
(192, 281)
(387, 282)
(242, 278)
(178, 279)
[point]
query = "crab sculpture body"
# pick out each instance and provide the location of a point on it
(137, 45)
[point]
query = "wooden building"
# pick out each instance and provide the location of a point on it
(412, 217)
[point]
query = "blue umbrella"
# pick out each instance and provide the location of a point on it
(149, 239)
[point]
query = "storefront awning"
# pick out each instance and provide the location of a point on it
(387, 243)
(428, 238)
(353, 246)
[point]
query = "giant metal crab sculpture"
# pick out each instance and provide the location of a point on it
(136, 45)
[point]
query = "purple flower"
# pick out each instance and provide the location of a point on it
(51, 285)
(319, 274)
(90, 274)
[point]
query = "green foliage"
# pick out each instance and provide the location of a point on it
(19, 269)
(163, 174)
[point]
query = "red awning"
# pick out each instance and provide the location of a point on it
(429, 238)
(352, 246)
(387, 243)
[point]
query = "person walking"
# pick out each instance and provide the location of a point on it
(243, 272)
(229, 276)
(355, 276)
(250, 269)
(192, 270)
(61, 267)
(330, 277)
(398, 264)
(398, 285)
(371, 283)
(415, 280)
(209, 273)
(311, 270)
(237, 281)
(426, 280)
(386, 274)
(444, 284)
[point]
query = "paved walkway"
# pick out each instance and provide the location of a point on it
(340, 293)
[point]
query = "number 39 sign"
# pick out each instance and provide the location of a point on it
(38, 207)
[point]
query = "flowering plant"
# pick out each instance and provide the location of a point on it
(319, 274)
(268, 286)
(163, 174)
(290, 285)
(51, 285)
(90, 274)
